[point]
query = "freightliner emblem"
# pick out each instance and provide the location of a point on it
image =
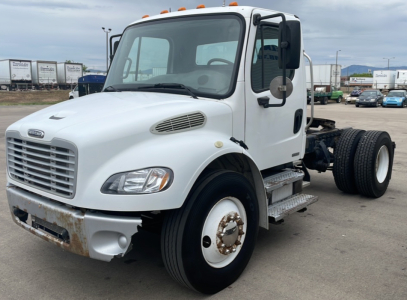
(36, 133)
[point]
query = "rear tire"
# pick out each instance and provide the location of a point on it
(343, 168)
(324, 100)
(357, 105)
(374, 163)
(190, 242)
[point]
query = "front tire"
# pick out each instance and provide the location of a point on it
(193, 251)
(374, 163)
(339, 100)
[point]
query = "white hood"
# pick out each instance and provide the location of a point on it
(111, 115)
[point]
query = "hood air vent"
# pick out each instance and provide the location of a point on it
(180, 123)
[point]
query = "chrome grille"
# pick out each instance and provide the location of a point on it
(47, 166)
(180, 123)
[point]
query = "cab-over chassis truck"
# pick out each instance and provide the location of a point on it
(200, 133)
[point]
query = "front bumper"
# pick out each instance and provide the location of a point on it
(395, 104)
(367, 103)
(92, 234)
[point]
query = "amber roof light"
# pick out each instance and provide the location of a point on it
(200, 6)
(164, 12)
(145, 16)
(181, 9)
(233, 4)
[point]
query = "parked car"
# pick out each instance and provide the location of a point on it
(356, 92)
(74, 93)
(397, 98)
(370, 98)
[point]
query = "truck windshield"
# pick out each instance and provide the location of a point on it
(198, 52)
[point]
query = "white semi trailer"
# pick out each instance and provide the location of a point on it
(15, 74)
(401, 79)
(44, 73)
(324, 76)
(206, 153)
(384, 80)
(68, 74)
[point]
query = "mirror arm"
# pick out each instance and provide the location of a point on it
(257, 18)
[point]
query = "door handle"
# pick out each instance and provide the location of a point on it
(263, 101)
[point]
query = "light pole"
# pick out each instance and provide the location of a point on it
(336, 66)
(388, 62)
(107, 38)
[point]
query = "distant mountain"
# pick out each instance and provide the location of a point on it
(358, 69)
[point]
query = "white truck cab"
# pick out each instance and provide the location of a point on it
(74, 93)
(200, 133)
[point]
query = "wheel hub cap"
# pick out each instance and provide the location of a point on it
(230, 231)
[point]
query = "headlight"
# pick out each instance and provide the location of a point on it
(372, 100)
(145, 181)
(357, 99)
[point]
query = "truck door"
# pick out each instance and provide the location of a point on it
(274, 135)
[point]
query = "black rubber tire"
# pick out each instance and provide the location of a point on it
(339, 100)
(404, 104)
(365, 163)
(357, 105)
(324, 100)
(70, 98)
(182, 230)
(344, 154)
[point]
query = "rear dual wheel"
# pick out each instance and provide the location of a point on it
(373, 163)
(363, 162)
(207, 243)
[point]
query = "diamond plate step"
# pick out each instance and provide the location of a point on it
(290, 205)
(278, 180)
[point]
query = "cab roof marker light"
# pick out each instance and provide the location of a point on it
(181, 9)
(200, 6)
(145, 16)
(233, 4)
(164, 12)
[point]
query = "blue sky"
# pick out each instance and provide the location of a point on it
(365, 31)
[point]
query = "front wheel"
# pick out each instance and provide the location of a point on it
(207, 243)
(404, 104)
(339, 100)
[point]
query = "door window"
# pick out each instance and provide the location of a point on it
(265, 58)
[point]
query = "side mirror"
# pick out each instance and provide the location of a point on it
(291, 44)
(115, 45)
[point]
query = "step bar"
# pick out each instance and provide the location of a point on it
(279, 180)
(292, 204)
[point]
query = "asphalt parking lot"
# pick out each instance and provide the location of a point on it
(343, 247)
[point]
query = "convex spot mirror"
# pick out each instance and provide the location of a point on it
(276, 87)
(293, 46)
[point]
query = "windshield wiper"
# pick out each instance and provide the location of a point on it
(111, 89)
(169, 86)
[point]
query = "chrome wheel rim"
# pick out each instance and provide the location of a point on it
(382, 163)
(223, 233)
